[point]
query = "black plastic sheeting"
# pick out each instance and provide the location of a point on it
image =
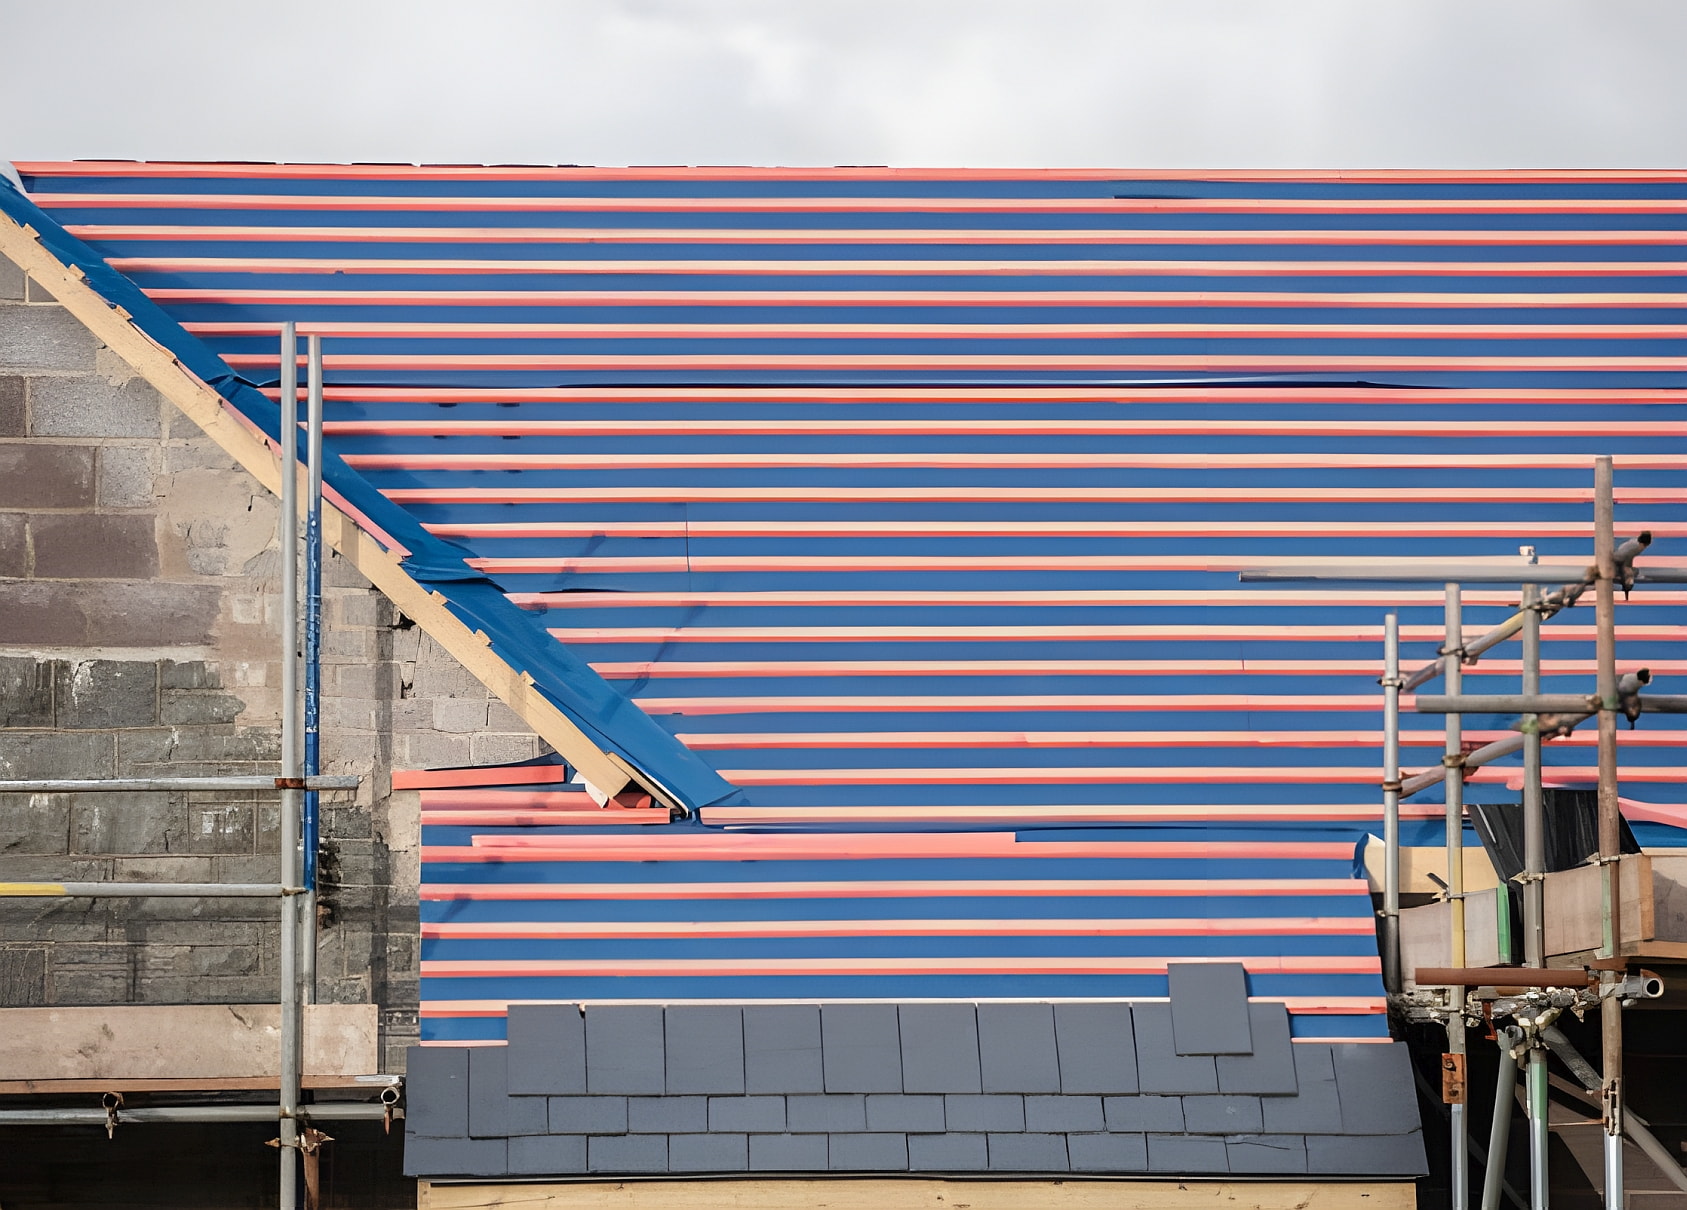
(1572, 831)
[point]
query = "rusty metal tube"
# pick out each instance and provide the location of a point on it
(1498, 976)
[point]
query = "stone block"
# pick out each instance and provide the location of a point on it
(588, 1115)
(705, 1048)
(708, 1153)
(189, 709)
(46, 338)
(14, 546)
(1097, 1048)
(1058, 1114)
(23, 976)
(1016, 1048)
(905, 1113)
(94, 407)
(11, 401)
(748, 1115)
(1221, 1115)
(867, 1153)
(34, 823)
(94, 546)
(627, 1154)
(1107, 1152)
(1028, 1153)
(939, 1048)
(860, 1048)
(11, 281)
(35, 475)
(667, 1115)
(90, 985)
(782, 1049)
(947, 1152)
(825, 1114)
(502, 749)
(105, 693)
(26, 692)
(135, 824)
(459, 715)
(548, 1155)
(189, 674)
(125, 477)
(989, 1113)
(788, 1152)
(57, 754)
(1144, 1114)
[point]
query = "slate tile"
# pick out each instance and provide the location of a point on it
(949, 1152)
(1266, 1153)
(748, 1115)
(782, 1049)
(1061, 1114)
(588, 1115)
(705, 1045)
(939, 1047)
(493, 1113)
(1097, 1048)
(667, 1115)
(1187, 1154)
(1221, 1115)
(1159, 1068)
(1316, 1108)
(788, 1153)
(1016, 1048)
(1366, 1154)
(624, 1049)
(1209, 1005)
(825, 1114)
(1374, 1080)
(627, 1153)
(861, 1048)
(868, 1153)
(905, 1113)
(437, 1091)
(548, 1155)
(1271, 1067)
(988, 1113)
(1107, 1152)
(1028, 1153)
(547, 1050)
(1144, 1114)
(708, 1153)
(455, 1157)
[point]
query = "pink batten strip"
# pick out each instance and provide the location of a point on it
(679, 967)
(1195, 926)
(930, 888)
(489, 775)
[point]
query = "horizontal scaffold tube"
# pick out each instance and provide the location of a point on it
(330, 1112)
(138, 785)
(136, 890)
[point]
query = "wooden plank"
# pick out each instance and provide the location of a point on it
(196, 1042)
(1418, 863)
(1574, 901)
(212, 413)
(1426, 931)
(915, 1194)
(1669, 899)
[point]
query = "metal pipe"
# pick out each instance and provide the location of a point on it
(1499, 1132)
(291, 767)
(1453, 652)
(142, 785)
(143, 890)
(341, 1111)
(1395, 571)
(1610, 820)
(1535, 1087)
(1498, 976)
(1391, 801)
(1486, 754)
(1534, 820)
(313, 665)
(1639, 1129)
(1502, 703)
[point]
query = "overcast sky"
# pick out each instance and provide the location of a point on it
(1151, 83)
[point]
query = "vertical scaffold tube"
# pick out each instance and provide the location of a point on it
(1610, 821)
(1534, 914)
(1452, 673)
(1499, 1133)
(313, 665)
(1391, 801)
(291, 1032)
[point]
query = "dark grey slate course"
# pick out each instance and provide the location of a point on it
(667, 1115)
(437, 1091)
(1191, 1154)
(1097, 1048)
(1316, 1108)
(1028, 1153)
(825, 1114)
(782, 1049)
(1367, 1155)
(1063, 1114)
(627, 1153)
(493, 1112)
(868, 1153)
(861, 1048)
(1144, 1114)
(1361, 1069)
(708, 1153)
(1221, 1115)
(747, 1115)
(705, 1045)
(455, 1157)
(1210, 1008)
(1266, 1154)
(1016, 1048)
(939, 1047)
(548, 1154)
(948, 1153)
(1271, 1067)
(588, 1115)
(905, 1113)
(1159, 1068)
(624, 1049)
(1107, 1152)
(788, 1152)
(547, 1049)
(987, 1113)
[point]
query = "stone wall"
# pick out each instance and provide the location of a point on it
(138, 606)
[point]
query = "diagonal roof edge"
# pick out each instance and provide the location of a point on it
(604, 736)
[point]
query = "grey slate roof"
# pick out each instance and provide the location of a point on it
(1025, 1089)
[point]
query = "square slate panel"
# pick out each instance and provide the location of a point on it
(1107, 1152)
(455, 1157)
(1366, 1154)
(437, 1091)
(782, 1049)
(1159, 1068)
(984, 1114)
(1187, 1154)
(1221, 1115)
(1271, 1067)
(868, 1153)
(825, 1114)
(618, 1154)
(705, 1045)
(1028, 1153)
(1062, 1114)
(708, 1153)
(947, 1153)
(1016, 1048)
(1316, 1108)
(588, 1115)
(547, 1050)
(1144, 1114)
(939, 1047)
(748, 1115)
(904, 1113)
(493, 1113)
(624, 1049)
(667, 1115)
(1097, 1048)
(1210, 1008)
(787, 1153)
(1374, 1080)
(1266, 1153)
(861, 1048)
(548, 1155)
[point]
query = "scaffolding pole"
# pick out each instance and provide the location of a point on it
(313, 666)
(1452, 652)
(1534, 894)
(142, 785)
(1610, 826)
(291, 768)
(1391, 801)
